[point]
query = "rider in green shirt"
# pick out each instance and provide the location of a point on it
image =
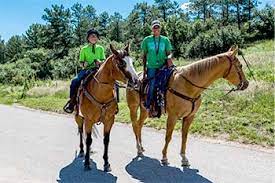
(156, 49)
(90, 59)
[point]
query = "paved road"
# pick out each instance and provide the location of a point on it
(40, 147)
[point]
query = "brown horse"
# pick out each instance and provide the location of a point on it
(97, 101)
(183, 95)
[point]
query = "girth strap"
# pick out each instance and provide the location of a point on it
(192, 100)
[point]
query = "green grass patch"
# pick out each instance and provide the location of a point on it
(48, 103)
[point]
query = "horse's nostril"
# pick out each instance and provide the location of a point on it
(244, 85)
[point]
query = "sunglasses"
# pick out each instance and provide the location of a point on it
(156, 27)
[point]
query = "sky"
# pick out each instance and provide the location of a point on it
(17, 15)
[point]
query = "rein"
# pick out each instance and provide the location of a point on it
(248, 65)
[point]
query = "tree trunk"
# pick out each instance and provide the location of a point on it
(238, 15)
(249, 14)
(204, 12)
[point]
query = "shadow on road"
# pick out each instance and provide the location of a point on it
(146, 169)
(74, 172)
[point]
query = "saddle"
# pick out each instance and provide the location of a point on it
(157, 107)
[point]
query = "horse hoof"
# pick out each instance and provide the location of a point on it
(87, 167)
(164, 162)
(185, 164)
(140, 154)
(107, 168)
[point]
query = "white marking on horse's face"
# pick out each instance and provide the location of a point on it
(130, 67)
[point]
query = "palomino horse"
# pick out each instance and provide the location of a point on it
(97, 101)
(183, 95)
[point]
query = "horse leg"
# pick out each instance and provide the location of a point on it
(107, 128)
(186, 122)
(79, 120)
(88, 130)
(142, 118)
(81, 146)
(135, 125)
(171, 122)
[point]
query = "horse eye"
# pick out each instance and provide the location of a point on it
(124, 63)
(241, 66)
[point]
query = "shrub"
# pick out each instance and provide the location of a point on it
(213, 42)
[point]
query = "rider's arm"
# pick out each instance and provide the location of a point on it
(82, 60)
(168, 48)
(101, 58)
(144, 65)
(144, 58)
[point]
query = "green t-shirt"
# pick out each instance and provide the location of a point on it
(87, 54)
(149, 47)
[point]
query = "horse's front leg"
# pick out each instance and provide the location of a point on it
(133, 100)
(142, 117)
(107, 129)
(88, 129)
(186, 122)
(79, 120)
(81, 146)
(135, 125)
(170, 124)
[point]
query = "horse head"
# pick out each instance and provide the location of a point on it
(235, 74)
(123, 65)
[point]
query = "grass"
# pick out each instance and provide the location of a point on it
(246, 117)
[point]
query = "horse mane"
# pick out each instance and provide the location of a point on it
(200, 67)
(105, 62)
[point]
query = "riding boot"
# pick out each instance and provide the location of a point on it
(69, 107)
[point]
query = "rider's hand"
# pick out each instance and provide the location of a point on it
(169, 62)
(97, 63)
(84, 65)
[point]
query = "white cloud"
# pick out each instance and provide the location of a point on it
(185, 6)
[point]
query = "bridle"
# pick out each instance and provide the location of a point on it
(121, 64)
(232, 62)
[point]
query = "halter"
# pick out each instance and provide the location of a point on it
(233, 63)
(120, 64)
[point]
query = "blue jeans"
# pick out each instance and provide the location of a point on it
(77, 81)
(151, 73)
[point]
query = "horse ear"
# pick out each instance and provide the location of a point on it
(232, 48)
(235, 50)
(113, 50)
(127, 48)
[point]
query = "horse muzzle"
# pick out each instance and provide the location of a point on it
(243, 85)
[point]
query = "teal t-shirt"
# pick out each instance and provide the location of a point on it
(150, 45)
(88, 55)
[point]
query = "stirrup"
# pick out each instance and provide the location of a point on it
(67, 108)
